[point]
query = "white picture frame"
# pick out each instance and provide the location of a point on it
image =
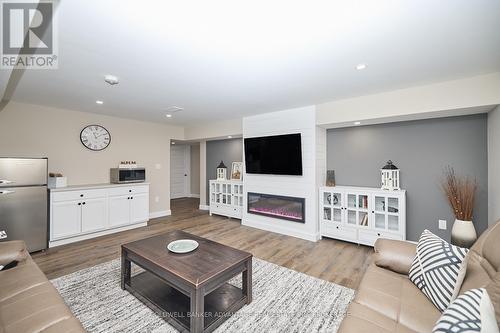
(237, 171)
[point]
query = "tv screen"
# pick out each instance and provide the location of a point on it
(274, 155)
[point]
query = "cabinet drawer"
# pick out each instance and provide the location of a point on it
(132, 189)
(77, 195)
(339, 231)
(369, 237)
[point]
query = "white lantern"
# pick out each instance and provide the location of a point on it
(221, 171)
(390, 177)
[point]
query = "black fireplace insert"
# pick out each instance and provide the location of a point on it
(277, 206)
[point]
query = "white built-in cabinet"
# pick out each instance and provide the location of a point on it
(78, 213)
(226, 198)
(362, 215)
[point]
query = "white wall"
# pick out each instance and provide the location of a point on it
(301, 120)
(494, 165)
(34, 131)
(414, 103)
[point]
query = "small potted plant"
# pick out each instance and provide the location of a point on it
(461, 194)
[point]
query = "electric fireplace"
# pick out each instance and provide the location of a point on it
(277, 206)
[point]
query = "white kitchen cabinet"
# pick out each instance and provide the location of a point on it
(78, 213)
(66, 219)
(119, 210)
(94, 214)
(362, 215)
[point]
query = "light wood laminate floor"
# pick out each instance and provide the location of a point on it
(332, 260)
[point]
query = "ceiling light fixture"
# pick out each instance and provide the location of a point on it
(360, 66)
(357, 123)
(229, 137)
(169, 116)
(99, 102)
(173, 142)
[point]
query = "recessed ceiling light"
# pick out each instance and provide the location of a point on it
(99, 102)
(360, 66)
(173, 142)
(357, 123)
(229, 137)
(111, 79)
(169, 116)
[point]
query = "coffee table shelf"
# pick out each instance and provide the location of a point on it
(174, 307)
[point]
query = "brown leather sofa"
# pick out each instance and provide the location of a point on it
(387, 301)
(28, 301)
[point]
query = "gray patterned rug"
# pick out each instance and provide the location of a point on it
(283, 301)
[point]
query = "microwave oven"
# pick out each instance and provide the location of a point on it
(129, 175)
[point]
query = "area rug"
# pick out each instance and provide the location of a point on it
(283, 301)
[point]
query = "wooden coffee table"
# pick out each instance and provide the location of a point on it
(190, 291)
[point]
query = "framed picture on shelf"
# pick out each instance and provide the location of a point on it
(237, 171)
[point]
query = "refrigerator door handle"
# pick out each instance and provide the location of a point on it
(5, 181)
(6, 192)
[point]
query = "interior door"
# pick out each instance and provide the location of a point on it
(179, 171)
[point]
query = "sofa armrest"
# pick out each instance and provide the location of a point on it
(13, 250)
(394, 255)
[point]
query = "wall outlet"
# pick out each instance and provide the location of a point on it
(442, 224)
(157, 166)
(157, 199)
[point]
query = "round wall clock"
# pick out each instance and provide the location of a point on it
(95, 137)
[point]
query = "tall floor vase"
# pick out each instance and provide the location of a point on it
(463, 233)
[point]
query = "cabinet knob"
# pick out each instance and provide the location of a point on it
(83, 203)
(81, 195)
(337, 227)
(79, 203)
(129, 191)
(378, 234)
(128, 198)
(131, 198)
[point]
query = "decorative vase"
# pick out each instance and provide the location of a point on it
(463, 233)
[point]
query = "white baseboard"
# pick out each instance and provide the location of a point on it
(313, 237)
(162, 213)
(193, 195)
(204, 207)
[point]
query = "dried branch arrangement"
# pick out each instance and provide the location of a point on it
(461, 193)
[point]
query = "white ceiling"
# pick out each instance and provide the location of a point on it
(227, 59)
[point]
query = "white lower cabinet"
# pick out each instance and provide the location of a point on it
(81, 213)
(362, 215)
(66, 219)
(119, 210)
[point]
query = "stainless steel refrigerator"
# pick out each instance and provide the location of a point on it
(23, 201)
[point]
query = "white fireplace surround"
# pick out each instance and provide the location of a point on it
(303, 121)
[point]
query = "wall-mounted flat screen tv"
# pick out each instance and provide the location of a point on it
(274, 155)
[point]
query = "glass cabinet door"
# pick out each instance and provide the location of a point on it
(332, 206)
(387, 213)
(357, 210)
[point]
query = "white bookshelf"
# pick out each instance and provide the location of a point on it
(362, 214)
(226, 198)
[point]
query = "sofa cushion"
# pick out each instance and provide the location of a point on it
(438, 269)
(470, 312)
(393, 301)
(19, 279)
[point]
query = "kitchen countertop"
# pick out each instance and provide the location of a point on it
(93, 186)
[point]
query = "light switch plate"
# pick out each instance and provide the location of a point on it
(157, 199)
(442, 224)
(157, 166)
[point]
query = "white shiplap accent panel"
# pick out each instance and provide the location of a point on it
(303, 121)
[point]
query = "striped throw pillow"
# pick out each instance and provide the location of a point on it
(470, 312)
(438, 269)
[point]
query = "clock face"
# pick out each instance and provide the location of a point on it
(95, 137)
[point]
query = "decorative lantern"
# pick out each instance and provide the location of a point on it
(390, 177)
(221, 171)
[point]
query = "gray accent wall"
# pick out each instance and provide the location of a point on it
(421, 149)
(229, 151)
